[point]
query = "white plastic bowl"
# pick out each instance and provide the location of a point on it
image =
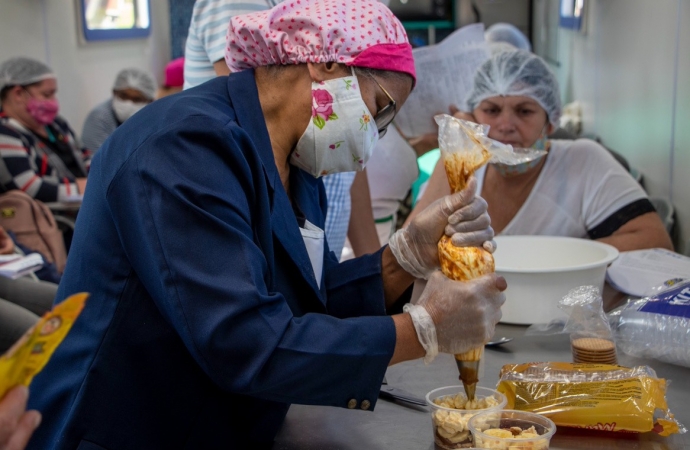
(540, 270)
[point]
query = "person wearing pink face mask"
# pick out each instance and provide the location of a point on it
(40, 153)
(576, 190)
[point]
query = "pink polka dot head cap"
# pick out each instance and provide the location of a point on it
(360, 33)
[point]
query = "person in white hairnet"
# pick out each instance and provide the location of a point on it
(133, 89)
(507, 33)
(576, 189)
(41, 155)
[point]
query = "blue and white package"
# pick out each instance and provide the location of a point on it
(657, 326)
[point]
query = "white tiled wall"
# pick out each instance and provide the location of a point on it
(623, 69)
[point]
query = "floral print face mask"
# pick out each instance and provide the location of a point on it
(341, 134)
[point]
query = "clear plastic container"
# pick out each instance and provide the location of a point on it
(511, 423)
(657, 326)
(450, 425)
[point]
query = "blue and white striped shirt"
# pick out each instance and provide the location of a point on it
(207, 31)
(339, 208)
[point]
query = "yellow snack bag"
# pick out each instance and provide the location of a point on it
(591, 396)
(31, 353)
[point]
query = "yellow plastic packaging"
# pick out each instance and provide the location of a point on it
(31, 353)
(591, 396)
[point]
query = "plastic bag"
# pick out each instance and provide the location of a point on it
(657, 326)
(591, 338)
(586, 317)
(465, 147)
(585, 309)
(591, 396)
(461, 136)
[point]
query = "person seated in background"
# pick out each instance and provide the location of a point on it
(16, 423)
(40, 153)
(174, 78)
(507, 37)
(577, 189)
(22, 301)
(509, 34)
(133, 89)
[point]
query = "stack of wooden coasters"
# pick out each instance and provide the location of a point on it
(593, 350)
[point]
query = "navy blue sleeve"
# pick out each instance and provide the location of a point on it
(187, 225)
(355, 287)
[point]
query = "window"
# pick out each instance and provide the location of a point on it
(115, 19)
(572, 12)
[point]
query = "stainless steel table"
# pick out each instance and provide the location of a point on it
(397, 426)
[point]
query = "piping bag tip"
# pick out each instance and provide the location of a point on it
(469, 375)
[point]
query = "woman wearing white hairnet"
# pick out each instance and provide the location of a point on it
(133, 89)
(576, 190)
(508, 34)
(40, 152)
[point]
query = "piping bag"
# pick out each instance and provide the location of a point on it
(465, 147)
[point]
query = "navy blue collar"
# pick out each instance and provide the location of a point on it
(244, 98)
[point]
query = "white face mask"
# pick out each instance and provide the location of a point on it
(124, 109)
(341, 134)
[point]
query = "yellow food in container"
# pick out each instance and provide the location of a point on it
(451, 411)
(511, 430)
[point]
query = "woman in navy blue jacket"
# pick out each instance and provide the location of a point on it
(215, 302)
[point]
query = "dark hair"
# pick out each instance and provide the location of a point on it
(5, 91)
(274, 70)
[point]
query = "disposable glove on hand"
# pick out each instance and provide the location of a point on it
(462, 215)
(463, 314)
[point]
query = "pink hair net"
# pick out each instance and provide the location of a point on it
(361, 33)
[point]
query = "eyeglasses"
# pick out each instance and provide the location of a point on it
(385, 116)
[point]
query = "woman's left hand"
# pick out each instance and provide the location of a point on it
(16, 424)
(463, 216)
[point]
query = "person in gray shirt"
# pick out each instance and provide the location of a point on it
(133, 89)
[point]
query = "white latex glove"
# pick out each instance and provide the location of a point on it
(461, 314)
(461, 215)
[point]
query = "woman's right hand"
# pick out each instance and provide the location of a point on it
(465, 313)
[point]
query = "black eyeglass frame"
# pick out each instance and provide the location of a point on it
(385, 115)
